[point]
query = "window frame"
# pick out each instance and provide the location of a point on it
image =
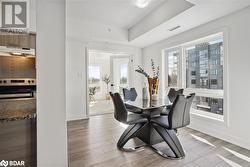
(216, 93)
(213, 93)
(179, 72)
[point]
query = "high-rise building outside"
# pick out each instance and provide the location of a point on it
(204, 70)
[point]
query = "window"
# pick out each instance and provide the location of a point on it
(198, 66)
(208, 54)
(95, 78)
(214, 81)
(208, 104)
(120, 72)
(214, 72)
(172, 67)
(209, 69)
(124, 73)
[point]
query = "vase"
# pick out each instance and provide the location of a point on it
(153, 86)
(145, 92)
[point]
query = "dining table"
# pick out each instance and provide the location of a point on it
(150, 109)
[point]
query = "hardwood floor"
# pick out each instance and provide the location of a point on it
(100, 107)
(93, 143)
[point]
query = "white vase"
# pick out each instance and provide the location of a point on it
(145, 92)
(154, 97)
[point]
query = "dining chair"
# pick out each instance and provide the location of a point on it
(131, 94)
(172, 94)
(178, 117)
(135, 121)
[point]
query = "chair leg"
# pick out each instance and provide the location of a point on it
(173, 142)
(129, 133)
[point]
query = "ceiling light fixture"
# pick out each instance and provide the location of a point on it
(142, 3)
(16, 53)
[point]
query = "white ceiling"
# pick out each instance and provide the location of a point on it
(123, 14)
(120, 13)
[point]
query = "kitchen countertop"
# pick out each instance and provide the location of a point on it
(11, 110)
(18, 115)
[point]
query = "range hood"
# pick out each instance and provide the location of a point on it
(18, 44)
(7, 51)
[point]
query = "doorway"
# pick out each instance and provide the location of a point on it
(106, 71)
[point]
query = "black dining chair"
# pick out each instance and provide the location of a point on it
(179, 116)
(131, 94)
(172, 94)
(135, 121)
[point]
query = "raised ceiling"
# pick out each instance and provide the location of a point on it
(120, 13)
(123, 16)
(202, 12)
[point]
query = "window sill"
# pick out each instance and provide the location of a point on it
(208, 116)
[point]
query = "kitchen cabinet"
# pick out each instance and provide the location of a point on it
(18, 40)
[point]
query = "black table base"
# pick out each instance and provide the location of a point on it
(152, 134)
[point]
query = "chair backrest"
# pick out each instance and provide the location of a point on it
(172, 94)
(129, 94)
(179, 115)
(120, 112)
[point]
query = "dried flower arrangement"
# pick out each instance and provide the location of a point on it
(152, 81)
(156, 71)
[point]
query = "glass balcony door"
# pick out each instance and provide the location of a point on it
(120, 72)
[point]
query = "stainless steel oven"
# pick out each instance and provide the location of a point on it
(16, 88)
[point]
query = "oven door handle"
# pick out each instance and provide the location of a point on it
(16, 96)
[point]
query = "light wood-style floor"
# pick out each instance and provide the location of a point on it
(93, 143)
(100, 107)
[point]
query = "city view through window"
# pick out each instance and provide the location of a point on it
(203, 71)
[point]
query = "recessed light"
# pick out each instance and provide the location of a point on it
(142, 3)
(174, 28)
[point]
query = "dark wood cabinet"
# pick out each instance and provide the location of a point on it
(18, 40)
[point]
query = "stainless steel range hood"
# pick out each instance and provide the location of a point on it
(18, 44)
(8, 51)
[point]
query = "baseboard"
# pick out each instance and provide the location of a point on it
(77, 119)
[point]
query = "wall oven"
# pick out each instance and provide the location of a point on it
(16, 88)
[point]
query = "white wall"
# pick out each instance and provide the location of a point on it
(75, 80)
(76, 74)
(32, 15)
(237, 28)
(51, 114)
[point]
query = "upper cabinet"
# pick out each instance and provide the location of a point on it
(18, 40)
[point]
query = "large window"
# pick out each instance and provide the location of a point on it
(201, 72)
(204, 65)
(94, 78)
